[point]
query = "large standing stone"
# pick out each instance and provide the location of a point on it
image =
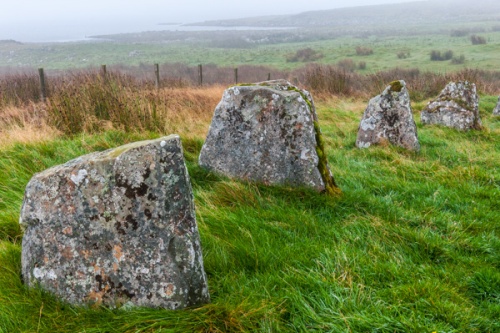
(268, 132)
(496, 110)
(116, 227)
(388, 118)
(456, 107)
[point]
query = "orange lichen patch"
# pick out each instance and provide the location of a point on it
(67, 231)
(45, 259)
(85, 253)
(96, 296)
(169, 290)
(117, 252)
(115, 267)
(67, 252)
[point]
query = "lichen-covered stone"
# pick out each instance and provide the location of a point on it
(496, 110)
(116, 227)
(268, 132)
(457, 106)
(388, 118)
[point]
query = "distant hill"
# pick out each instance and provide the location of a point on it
(410, 13)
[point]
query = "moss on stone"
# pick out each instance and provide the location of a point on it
(330, 186)
(304, 97)
(396, 86)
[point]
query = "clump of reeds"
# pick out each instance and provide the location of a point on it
(92, 103)
(17, 89)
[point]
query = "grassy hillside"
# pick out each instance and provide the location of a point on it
(396, 16)
(412, 245)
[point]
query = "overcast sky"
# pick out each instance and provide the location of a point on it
(35, 20)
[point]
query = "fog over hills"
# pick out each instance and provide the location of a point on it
(60, 20)
(417, 12)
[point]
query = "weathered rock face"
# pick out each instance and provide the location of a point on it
(268, 132)
(496, 110)
(456, 107)
(389, 118)
(116, 227)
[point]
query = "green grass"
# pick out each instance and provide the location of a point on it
(412, 245)
(81, 55)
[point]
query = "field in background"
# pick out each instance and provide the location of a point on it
(417, 50)
(412, 245)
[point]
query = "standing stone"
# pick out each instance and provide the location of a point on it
(496, 110)
(116, 227)
(388, 118)
(268, 132)
(457, 106)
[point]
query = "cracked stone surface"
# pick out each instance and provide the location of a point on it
(116, 228)
(457, 106)
(267, 132)
(388, 118)
(496, 110)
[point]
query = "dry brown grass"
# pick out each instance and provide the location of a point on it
(90, 103)
(189, 111)
(185, 111)
(26, 124)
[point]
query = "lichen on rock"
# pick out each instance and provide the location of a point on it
(268, 132)
(457, 106)
(496, 110)
(388, 118)
(116, 227)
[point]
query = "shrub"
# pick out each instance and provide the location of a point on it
(448, 55)
(363, 51)
(458, 60)
(362, 65)
(328, 79)
(304, 55)
(438, 56)
(347, 64)
(477, 40)
(459, 32)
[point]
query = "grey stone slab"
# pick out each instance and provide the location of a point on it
(116, 227)
(457, 106)
(388, 118)
(268, 132)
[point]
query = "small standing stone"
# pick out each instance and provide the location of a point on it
(268, 132)
(496, 110)
(457, 106)
(389, 118)
(116, 227)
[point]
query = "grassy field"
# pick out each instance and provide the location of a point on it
(411, 245)
(385, 49)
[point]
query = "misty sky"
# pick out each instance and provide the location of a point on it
(49, 20)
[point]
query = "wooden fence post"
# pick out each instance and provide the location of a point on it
(200, 73)
(157, 76)
(43, 88)
(268, 76)
(236, 75)
(103, 71)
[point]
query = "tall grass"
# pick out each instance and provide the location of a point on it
(340, 79)
(17, 89)
(422, 85)
(93, 103)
